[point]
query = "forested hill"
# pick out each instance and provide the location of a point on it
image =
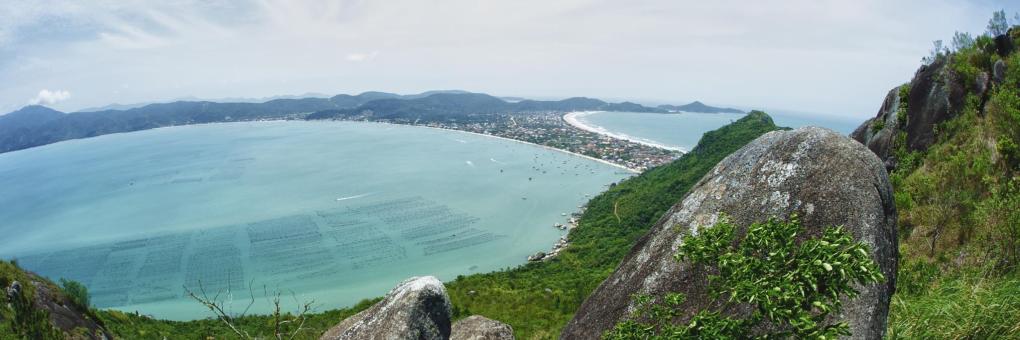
(467, 107)
(35, 125)
(699, 107)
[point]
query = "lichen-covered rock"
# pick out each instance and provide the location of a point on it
(825, 178)
(417, 308)
(478, 327)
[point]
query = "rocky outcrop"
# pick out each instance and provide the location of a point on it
(65, 316)
(417, 308)
(823, 177)
(879, 133)
(478, 327)
(937, 94)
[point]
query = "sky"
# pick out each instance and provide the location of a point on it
(829, 57)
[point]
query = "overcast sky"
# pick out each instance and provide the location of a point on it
(833, 57)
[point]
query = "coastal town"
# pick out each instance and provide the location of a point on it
(551, 130)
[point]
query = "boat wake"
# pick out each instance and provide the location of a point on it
(352, 197)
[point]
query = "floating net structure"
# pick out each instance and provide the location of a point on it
(284, 251)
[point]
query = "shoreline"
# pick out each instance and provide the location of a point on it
(572, 118)
(634, 171)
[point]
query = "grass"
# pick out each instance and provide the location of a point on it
(964, 305)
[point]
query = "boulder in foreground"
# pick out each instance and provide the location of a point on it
(825, 178)
(478, 327)
(417, 308)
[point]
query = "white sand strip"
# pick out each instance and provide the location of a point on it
(573, 118)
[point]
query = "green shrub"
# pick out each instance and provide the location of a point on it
(794, 285)
(877, 125)
(77, 292)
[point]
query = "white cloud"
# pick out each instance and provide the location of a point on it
(359, 57)
(47, 97)
(809, 55)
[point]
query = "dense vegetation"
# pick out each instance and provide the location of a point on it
(131, 326)
(792, 287)
(538, 299)
(959, 202)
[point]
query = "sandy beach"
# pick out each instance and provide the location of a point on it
(572, 118)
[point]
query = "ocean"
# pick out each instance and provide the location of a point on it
(333, 212)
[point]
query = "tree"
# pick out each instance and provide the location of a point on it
(286, 325)
(962, 40)
(77, 292)
(936, 51)
(998, 25)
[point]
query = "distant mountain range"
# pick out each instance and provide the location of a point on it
(700, 107)
(37, 125)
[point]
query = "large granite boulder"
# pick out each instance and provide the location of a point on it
(417, 308)
(477, 327)
(825, 178)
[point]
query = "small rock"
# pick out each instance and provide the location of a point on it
(999, 71)
(537, 257)
(478, 327)
(13, 291)
(981, 83)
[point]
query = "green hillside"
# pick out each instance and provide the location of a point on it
(959, 198)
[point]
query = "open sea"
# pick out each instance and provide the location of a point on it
(331, 211)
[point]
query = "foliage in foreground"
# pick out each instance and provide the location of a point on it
(792, 286)
(132, 326)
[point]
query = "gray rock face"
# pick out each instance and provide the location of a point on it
(417, 308)
(825, 178)
(478, 327)
(934, 98)
(999, 71)
(881, 141)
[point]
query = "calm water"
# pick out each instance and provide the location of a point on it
(333, 211)
(685, 129)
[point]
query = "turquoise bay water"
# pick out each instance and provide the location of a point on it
(683, 130)
(331, 211)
